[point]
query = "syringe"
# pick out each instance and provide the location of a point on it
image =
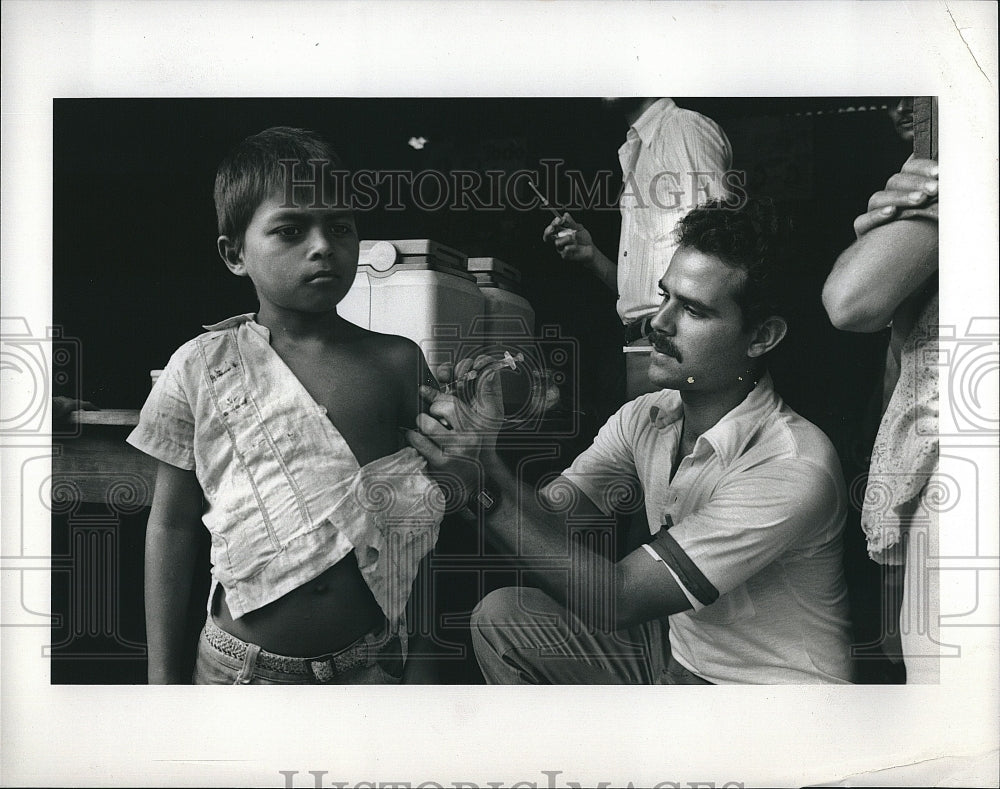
(509, 361)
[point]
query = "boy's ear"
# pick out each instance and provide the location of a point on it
(768, 334)
(232, 255)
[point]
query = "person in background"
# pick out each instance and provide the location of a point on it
(285, 422)
(889, 277)
(745, 498)
(672, 159)
(901, 115)
(62, 407)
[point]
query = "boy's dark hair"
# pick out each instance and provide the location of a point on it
(753, 238)
(253, 170)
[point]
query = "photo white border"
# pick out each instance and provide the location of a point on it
(188, 736)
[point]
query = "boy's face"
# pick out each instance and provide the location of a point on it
(299, 258)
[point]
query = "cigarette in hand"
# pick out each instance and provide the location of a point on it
(545, 203)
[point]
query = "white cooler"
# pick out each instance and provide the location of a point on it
(415, 288)
(505, 307)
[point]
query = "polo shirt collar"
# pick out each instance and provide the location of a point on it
(669, 409)
(731, 434)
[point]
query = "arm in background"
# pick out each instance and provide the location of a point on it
(895, 254)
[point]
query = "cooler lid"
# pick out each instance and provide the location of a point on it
(494, 266)
(487, 280)
(410, 251)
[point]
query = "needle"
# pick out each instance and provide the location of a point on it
(506, 361)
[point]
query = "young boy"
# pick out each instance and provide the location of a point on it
(286, 424)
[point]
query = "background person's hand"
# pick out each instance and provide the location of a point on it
(572, 240)
(64, 406)
(914, 186)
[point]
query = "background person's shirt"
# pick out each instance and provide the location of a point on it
(672, 160)
(750, 527)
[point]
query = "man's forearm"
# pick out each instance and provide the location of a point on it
(518, 524)
(565, 567)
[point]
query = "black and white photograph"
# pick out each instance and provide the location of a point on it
(408, 346)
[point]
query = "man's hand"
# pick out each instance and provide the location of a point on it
(572, 240)
(914, 186)
(463, 380)
(455, 438)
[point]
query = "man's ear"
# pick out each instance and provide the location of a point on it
(231, 253)
(769, 333)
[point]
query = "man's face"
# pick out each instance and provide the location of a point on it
(300, 258)
(699, 339)
(901, 113)
(623, 105)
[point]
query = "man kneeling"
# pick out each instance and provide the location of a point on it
(741, 580)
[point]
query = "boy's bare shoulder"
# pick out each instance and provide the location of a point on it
(398, 351)
(386, 343)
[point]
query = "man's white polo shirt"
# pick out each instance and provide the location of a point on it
(750, 527)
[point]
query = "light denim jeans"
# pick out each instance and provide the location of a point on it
(522, 636)
(383, 664)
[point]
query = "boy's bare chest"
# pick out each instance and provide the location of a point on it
(360, 396)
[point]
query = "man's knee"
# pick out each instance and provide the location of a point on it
(490, 624)
(508, 627)
(510, 605)
(512, 617)
(499, 607)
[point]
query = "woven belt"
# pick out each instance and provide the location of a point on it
(637, 330)
(323, 668)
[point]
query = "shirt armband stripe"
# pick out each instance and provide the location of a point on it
(687, 571)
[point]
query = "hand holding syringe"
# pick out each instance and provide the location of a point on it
(462, 380)
(468, 370)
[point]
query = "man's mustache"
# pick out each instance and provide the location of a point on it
(664, 344)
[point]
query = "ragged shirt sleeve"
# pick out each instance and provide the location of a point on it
(750, 521)
(166, 422)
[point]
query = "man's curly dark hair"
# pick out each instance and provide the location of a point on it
(753, 238)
